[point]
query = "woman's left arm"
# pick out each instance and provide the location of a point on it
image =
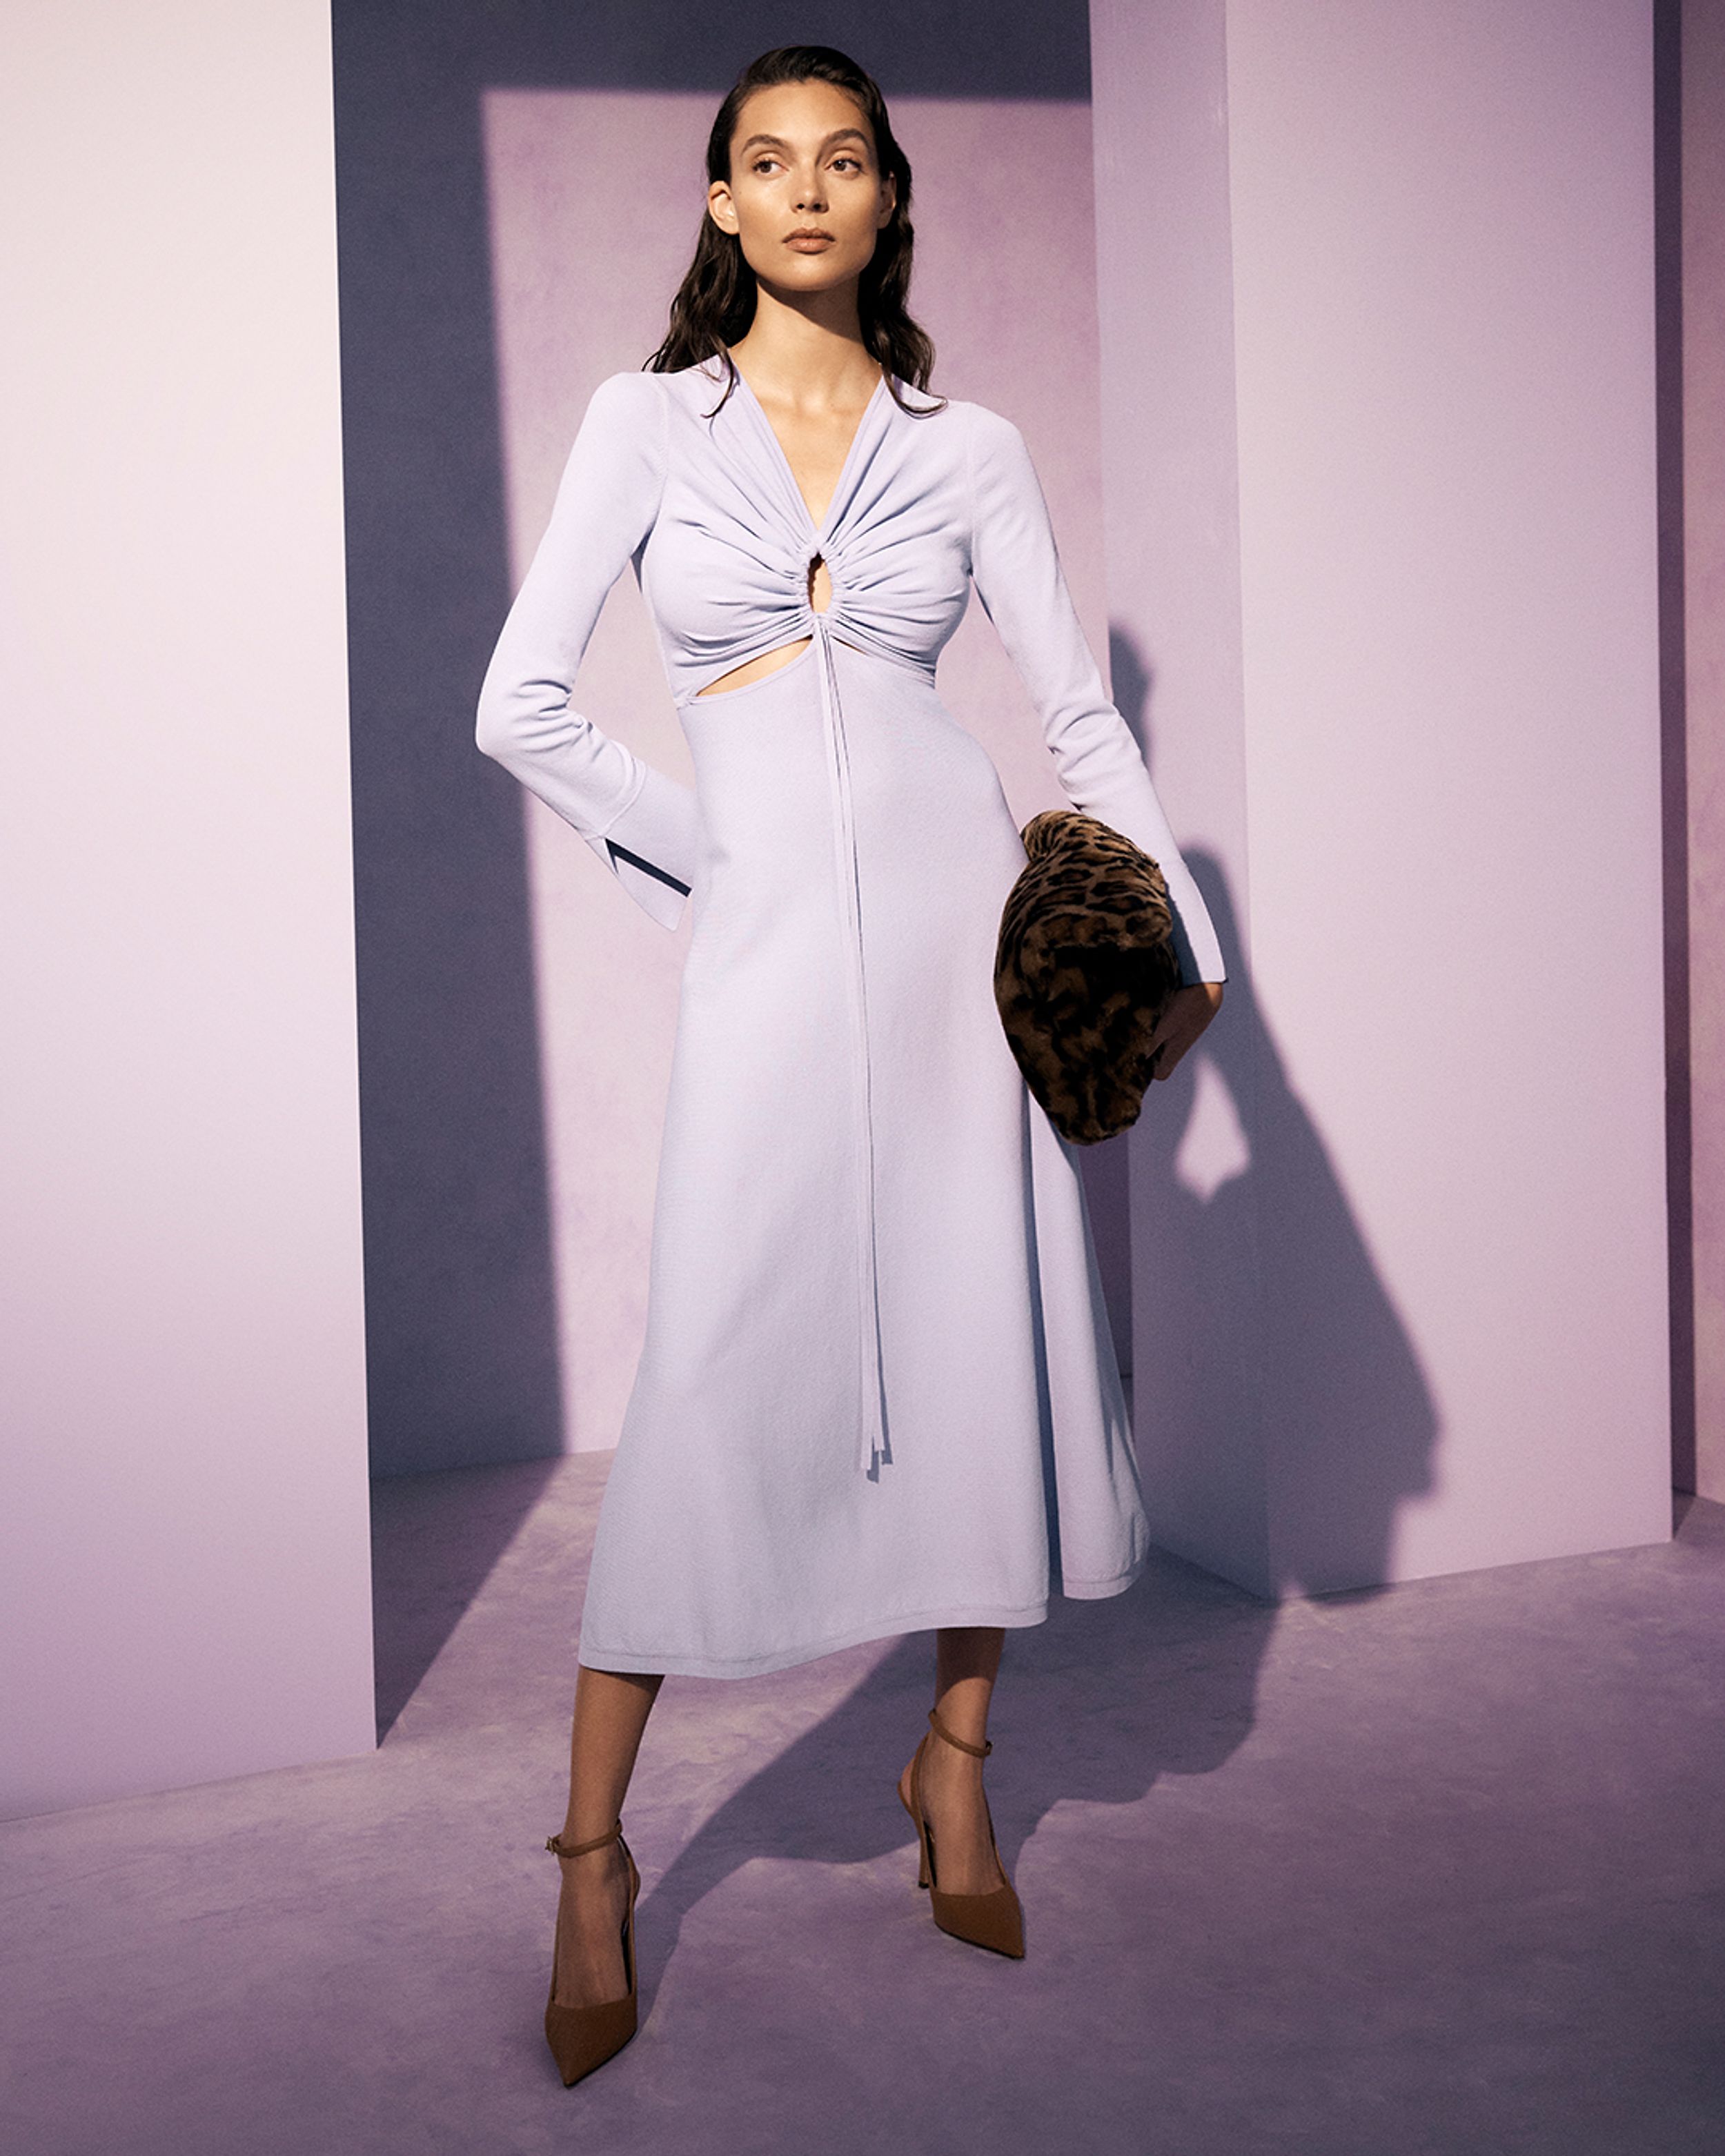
(1016, 569)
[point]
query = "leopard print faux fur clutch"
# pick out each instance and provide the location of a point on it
(1083, 971)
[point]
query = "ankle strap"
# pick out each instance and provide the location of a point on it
(939, 1727)
(554, 1843)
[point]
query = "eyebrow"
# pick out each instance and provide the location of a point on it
(777, 142)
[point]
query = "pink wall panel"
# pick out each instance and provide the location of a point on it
(1444, 260)
(1376, 291)
(184, 1560)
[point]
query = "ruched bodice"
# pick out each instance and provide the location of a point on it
(877, 1391)
(727, 569)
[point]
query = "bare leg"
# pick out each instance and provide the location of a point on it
(611, 1710)
(967, 1660)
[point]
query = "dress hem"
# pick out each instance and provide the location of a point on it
(760, 1665)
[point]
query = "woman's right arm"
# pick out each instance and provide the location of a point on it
(643, 826)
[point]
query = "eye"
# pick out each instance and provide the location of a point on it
(846, 157)
(762, 163)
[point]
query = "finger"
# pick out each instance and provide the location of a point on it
(1166, 1029)
(1183, 1020)
(1165, 1056)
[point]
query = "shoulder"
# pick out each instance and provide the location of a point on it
(982, 441)
(992, 446)
(634, 399)
(996, 456)
(983, 423)
(983, 429)
(623, 433)
(619, 453)
(700, 389)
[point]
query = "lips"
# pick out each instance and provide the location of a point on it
(810, 242)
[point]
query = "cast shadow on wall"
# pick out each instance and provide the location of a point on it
(1319, 1396)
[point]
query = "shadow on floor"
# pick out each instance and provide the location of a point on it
(434, 1541)
(1161, 1680)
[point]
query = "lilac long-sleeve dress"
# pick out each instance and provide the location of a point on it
(877, 1392)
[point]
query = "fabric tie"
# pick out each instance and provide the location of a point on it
(871, 1417)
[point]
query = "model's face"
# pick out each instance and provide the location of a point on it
(805, 198)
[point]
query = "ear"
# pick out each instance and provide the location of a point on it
(721, 208)
(889, 190)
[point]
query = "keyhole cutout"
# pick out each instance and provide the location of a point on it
(820, 586)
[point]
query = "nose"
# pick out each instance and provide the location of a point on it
(810, 195)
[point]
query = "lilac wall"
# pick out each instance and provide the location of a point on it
(184, 1565)
(565, 180)
(1703, 269)
(1375, 297)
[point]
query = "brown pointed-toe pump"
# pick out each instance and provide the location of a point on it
(993, 1920)
(583, 2037)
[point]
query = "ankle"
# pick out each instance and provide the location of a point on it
(958, 1796)
(959, 1719)
(580, 1837)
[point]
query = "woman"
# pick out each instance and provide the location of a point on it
(876, 1394)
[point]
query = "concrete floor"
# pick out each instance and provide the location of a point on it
(1437, 1869)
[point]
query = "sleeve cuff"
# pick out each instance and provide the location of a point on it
(653, 847)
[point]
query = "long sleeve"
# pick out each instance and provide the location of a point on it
(645, 827)
(1017, 577)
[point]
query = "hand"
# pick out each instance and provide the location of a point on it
(1188, 1012)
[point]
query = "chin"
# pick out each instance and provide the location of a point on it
(806, 274)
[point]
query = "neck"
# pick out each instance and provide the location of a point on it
(807, 351)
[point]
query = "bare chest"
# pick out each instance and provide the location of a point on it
(816, 447)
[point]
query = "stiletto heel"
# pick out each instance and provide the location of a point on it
(994, 1920)
(583, 2037)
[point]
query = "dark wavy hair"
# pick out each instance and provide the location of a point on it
(715, 302)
